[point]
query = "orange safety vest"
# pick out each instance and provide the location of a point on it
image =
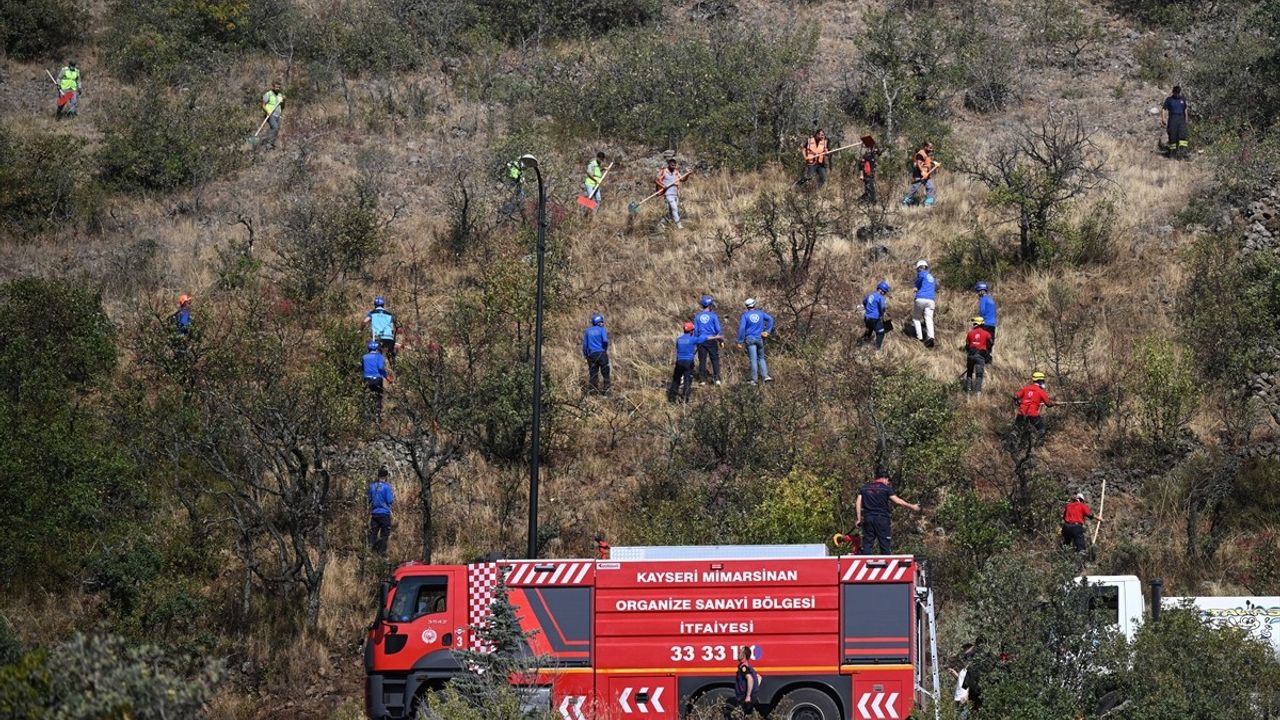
(815, 152)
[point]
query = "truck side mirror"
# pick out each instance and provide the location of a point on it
(384, 588)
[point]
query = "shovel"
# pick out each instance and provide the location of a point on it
(634, 206)
(589, 202)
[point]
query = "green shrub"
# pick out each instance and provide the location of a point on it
(330, 238)
(799, 507)
(57, 347)
(90, 678)
(1164, 390)
(732, 92)
(917, 436)
(31, 29)
(976, 527)
(167, 140)
(972, 258)
(1236, 677)
(564, 18)
(168, 41)
(359, 35)
(45, 182)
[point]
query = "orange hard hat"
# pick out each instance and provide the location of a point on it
(688, 327)
(184, 299)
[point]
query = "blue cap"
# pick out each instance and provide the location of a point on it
(707, 301)
(883, 286)
(379, 301)
(980, 286)
(597, 319)
(373, 345)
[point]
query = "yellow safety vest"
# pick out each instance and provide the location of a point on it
(594, 174)
(69, 79)
(271, 100)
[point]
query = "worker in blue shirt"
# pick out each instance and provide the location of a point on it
(754, 327)
(374, 372)
(382, 327)
(708, 323)
(987, 309)
(875, 314)
(682, 376)
(381, 498)
(595, 348)
(182, 318)
(926, 303)
(1173, 115)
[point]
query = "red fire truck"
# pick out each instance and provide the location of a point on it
(651, 632)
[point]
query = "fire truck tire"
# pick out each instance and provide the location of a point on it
(713, 699)
(807, 704)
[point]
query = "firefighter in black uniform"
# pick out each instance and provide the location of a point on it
(872, 508)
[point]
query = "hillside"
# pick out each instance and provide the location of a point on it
(203, 494)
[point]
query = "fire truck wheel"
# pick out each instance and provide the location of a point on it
(714, 699)
(808, 704)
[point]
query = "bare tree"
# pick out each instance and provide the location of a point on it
(1038, 172)
(425, 396)
(268, 421)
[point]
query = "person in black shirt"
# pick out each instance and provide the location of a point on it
(872, 508)
(746, 681)
(1174, 118)
(869, 169)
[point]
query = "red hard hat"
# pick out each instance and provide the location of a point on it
(688, 327)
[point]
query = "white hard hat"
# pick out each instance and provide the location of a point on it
(751, 302)
(922, 264)
(1079, 496)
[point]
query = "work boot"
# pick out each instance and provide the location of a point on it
(929, 343)
(928, 202)
(908, 201)
(717, 383)
(679, 226)
(768, 378)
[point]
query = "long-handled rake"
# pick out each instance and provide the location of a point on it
(634, 207)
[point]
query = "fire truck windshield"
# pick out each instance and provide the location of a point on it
(418, 596)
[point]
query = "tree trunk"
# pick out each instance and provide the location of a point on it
(425, 491)
(1026, 247)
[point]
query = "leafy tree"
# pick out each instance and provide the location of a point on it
(915, 433)
(1181, 667)
(901, 80)
(799, 507)
(62, 475)
(45, 182)
(1040, 649)
(89, 678)
(1164, 390)
(1037, 173)
(166, 140)
(734, 92)
(492, 682)
(31, 29)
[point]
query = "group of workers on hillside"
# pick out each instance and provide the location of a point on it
(697, 350)
(697, 347)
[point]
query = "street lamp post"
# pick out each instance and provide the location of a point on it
(529, 161)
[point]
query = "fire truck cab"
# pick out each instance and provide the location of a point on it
(652, 632)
